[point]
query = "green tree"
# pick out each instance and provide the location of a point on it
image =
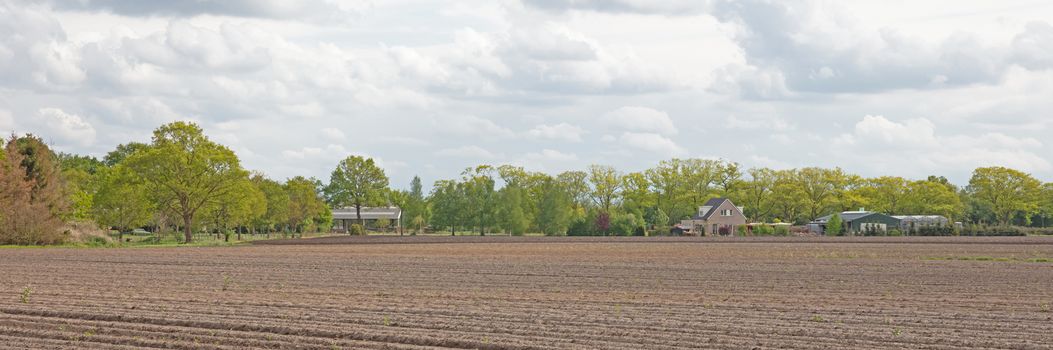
(729, 178)
(887, 194)
(479, 197)
(277, 204)
(447, 205)
(625, 224)
(671, 189)
(757, 194)
(835, 226)
(122, 152)
(188, 170)
(122, 200)
(926, 197)
(239, 207)
(576, 186)
(81, 181)
(636, 193)
(554, 209)
(415, 203)
(1006, 192)
(357, 182)
(661, 221)
(305, 203)
(818, 187)
(510, 210)
(606, 183)
(789, 196)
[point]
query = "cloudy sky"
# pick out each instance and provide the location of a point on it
(429, 87)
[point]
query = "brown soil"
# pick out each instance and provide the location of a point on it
(597, 293)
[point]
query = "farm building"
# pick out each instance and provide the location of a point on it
(857, 222)
(911, 223)
(717, 216)
(343, 218)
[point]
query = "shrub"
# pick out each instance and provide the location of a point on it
(763, 230)
(626, 224)
(740, 230)
(583, 226)
(981, 230)
(782, 230)
(834, 226)
(356, 230)
(895, 232)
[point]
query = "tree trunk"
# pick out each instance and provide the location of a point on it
(358, 212)
(188, 231)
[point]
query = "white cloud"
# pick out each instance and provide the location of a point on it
(640, 119)
(466, 152)
(656, 144)
(7, 123)
(561, 131)
(302, 153)
(71, 129)
(550, 155)
(610, 82)
(759, 123)
(908, 134)
(469, 125)
(1033, 48)
(916, 145)
(333, 134)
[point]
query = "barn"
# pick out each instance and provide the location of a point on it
(343, 218)
(858, 222)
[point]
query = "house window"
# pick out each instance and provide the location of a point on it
(725, 212)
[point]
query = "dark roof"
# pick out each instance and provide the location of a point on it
(713, 204)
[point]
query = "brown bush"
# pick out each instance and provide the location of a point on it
(32, 194)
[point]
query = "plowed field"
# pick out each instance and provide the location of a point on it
(590, 294)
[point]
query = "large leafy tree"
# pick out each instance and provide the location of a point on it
(33, 198)
(447, 204)
(187, 170)
(819, 188)
(480, 196)
(757, 194)
(606, 184)
(122, 200)
(636, 193)
(887, 194)
(357, 182)
(122, 152)
(305, 203)
(788, 194)
(1006, 192)
(554, 209)
(511, 216)
(927, 197)
(277, 200)
(243, 205)
(82, 182)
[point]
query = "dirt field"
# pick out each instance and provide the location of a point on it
(582, 293)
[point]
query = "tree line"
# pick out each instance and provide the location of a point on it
(184, 181)
(603, 200)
